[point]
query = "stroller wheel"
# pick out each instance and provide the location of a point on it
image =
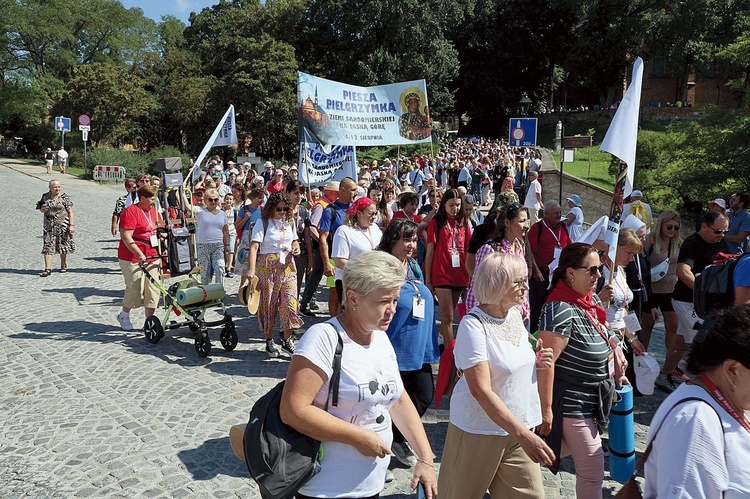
(153, 329)
(203, 344)
(228, 337)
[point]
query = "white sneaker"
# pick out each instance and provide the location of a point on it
(124, 320)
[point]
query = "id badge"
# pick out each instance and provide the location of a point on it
(556, 252)
(611, 364)
(154, 242)
(455, 260)
(417, 309)
(632, 323)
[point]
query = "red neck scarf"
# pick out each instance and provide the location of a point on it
(563, 292)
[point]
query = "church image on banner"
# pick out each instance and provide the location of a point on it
(313, 117)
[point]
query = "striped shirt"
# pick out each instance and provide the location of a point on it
(583, 362)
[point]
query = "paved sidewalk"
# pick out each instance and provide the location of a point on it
(92, 411)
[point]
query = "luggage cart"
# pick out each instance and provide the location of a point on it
(178, 256)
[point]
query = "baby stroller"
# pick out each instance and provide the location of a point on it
(187, 298)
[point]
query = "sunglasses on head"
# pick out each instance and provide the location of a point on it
(593, 270)
(279, 209)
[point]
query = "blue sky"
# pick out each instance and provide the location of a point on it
(178, 8)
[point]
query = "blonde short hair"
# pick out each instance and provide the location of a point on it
(629, 240)
(494, 277)
(211, 193)
(372, 270)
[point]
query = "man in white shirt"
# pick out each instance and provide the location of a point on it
(533, 199)
(62, 159)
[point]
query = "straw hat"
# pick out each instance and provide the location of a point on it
(250, 295)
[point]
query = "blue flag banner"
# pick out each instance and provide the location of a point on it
(318, 165)
(339, 114)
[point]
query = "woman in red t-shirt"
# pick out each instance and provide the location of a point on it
(277, 183)
(448, 235)
(137, 250)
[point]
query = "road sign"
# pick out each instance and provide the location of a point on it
(62, 124)
(84, 120)
(84, 128)
(573, 142)
(522, 132)
(84, 135)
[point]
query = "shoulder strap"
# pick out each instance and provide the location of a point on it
(336, 374)
(644, 456)
(414, 267)
(484, 327)
(264, 220)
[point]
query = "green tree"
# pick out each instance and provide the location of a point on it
(114, 98)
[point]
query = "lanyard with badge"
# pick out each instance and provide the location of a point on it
(417, 309)
(558, 246)
(455, 257)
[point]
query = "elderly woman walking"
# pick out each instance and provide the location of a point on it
(356, 434)
(59, 226)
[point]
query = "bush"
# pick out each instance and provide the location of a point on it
(134, 163)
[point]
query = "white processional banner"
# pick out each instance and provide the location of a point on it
(339, 114)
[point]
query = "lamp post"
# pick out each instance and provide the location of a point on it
(524, 104)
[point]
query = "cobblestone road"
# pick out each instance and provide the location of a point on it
(91, 411)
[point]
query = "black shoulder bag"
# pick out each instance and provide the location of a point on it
(281, 459)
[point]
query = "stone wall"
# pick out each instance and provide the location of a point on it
(596, 200)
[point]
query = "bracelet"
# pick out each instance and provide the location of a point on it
(420, 460)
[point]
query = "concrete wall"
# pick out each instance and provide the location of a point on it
(596, 200)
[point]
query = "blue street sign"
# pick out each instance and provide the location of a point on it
(62, 124)
(522, 132)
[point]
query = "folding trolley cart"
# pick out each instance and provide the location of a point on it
(187, 298)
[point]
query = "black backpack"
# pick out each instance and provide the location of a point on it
(281, 459)
(714, 287)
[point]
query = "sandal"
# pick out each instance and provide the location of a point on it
(46, 273)
(63, 269)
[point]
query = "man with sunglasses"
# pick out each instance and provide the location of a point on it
(698, 251)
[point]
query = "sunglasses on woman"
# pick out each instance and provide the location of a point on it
(279, 210)
(672, 227)
(593, 270)
(212, 200)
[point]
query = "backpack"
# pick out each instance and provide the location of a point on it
(714, 287)
(281, 459)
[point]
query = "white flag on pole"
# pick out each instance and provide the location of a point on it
(622, 134)
(225, 134)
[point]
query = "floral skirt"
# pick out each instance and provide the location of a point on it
(277, 282)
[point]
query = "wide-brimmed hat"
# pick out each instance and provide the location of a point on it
(332, 185)
(575, 199)
(250, 295)
(268, 164)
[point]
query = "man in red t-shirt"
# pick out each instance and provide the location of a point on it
(546, 238)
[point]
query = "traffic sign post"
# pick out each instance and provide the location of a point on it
(62, 125)
(522, 132)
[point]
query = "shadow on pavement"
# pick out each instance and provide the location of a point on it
(214, 457)
(22, 271)
(81, 294)
(103, 259)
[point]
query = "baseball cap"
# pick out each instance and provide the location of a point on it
(636, 194)
(720, 202)
(646, 370)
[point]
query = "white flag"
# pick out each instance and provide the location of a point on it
(225, 134)
(622, 134)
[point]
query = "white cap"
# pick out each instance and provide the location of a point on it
(636, 194)
(646, 370)
(632, 222)
(268, 164)
(720, 202)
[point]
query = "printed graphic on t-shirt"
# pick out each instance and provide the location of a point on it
(370, 410)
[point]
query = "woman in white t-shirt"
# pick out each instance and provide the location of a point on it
(495, 405)
(356, 434)
(616, 292)
(355, 236)
(273, 246)
(212, 237)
